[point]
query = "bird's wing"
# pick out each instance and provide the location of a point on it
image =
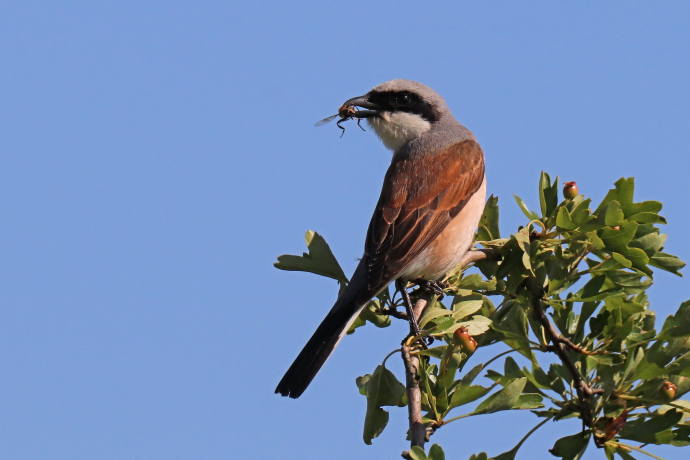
(420, 196)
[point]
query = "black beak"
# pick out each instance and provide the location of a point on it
(363, 102)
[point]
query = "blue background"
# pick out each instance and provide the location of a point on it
(158, 156)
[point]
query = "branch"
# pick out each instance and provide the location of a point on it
(414, 398)
(477, 255)
(418, 432)
(584, 391)
(422, 301)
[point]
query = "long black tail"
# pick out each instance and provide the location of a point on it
(327, 336)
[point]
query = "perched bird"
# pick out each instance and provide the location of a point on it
(432, 199)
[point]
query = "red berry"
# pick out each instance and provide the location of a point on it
(463, 339)
(614, 425)
(570, 190)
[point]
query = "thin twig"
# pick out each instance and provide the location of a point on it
(653, 402)
(584, 253)
(625, 446)
(577, 348)
(389, 355)
(395, 313)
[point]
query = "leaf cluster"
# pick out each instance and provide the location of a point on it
(571, 281)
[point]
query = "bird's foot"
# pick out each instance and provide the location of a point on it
(435, 287)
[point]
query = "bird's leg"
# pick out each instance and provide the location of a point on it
(414, 326)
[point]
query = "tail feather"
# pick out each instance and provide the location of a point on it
(325, 338)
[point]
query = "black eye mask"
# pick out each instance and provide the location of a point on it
(404, 101)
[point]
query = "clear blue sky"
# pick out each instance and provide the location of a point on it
(158, 156)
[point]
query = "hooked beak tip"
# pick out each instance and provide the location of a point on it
(372, 110)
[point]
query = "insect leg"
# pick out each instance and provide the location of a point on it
(341, 127)
(359, 120)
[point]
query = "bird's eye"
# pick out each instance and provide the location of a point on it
(402, 99)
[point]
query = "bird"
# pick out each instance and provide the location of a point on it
(431, 201)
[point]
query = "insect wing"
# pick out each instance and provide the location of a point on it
(326, 120)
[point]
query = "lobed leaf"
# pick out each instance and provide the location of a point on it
(382, 388)
(320, 260)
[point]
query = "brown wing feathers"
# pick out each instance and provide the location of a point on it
(420, 197)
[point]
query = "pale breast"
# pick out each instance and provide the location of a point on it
(447, 249)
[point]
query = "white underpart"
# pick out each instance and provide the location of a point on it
(396, 128)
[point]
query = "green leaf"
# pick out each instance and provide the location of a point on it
(621, 260)
(655, 430)
(595, 240)
(476, 326)
(370, 313)
(564, 221)
(638, 258)
(362, 383)
(514, 327)
(433, 311)
(320, 260)
(504, 399)
(489, 220)
(464, 309)
(667, 262)
(359, 322)
(613, 214)
(374, 423)
(440, 328)
(531, 215)
(625, 455)
(481, 456)
(382, 389)
(647, 218)
(522, 238)
(529, 401)
(620, 238)
(471, 375)
(609, 293)
(475, 282)
(623, 193)
(467, 394)
(649, 243)
(417, 453)
(571, 447)
(677, 325)
(436, 453)
(581, 213)
(633, 361)
(548, 194)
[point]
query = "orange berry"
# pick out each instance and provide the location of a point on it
(668, 391)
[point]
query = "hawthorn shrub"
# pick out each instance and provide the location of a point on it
(571, 283)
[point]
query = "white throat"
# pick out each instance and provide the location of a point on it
(395, 129)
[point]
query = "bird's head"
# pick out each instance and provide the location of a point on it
(400, 110)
